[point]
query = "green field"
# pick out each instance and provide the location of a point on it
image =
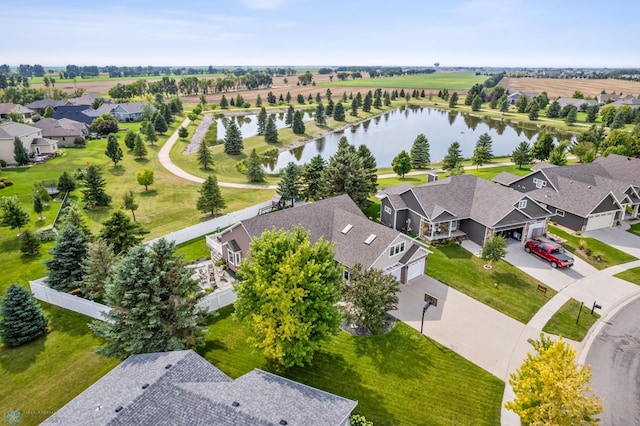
(439, 80)
(105, 77)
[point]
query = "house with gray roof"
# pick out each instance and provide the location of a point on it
(23, 112)
(357, 239)
(42, 104)
(130, 111)
(513, 97)
(580, 104)
(80, 113)
(583, 197)
(182, 388)
(462, 207)
(31, 137)
(64, 130)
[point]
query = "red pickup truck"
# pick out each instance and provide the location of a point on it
(549, 252)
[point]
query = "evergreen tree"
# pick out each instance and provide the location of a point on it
(453, 100)
(65, 265)
(232, 102)
(113, 151)
(370, 167)
(154, 304)
(477, 103)
(312, 178)
(288, 118)
(354, 109)
(345, 174)
(13, 215)
(522, 154)
(151, 135)
(534, 112)
(401, 163)
(160, 124)
(255, 173)
(38, 207)
(592, 114)
(504, 106)
(486, 143)
(20, 154)
(130, 140)
(387, 99)
(288, 185)
(259, 101)
(420, 151)
(94, 193)
(21, 317)
(271, 131)
(572, 116)
(367, 102)
(73, 216)
(233, 139)
(330, 108)
(48, 112)
(288, 98)
(521, 103)
(98, 268)
(182, 132)
(554, 110)
(204, 156)
(453, 157)
(139, 149)
(165, 111)
(29, 243)
(224, 104)
(542, 146)
(210, 199)
(66, 183)
(558, 155)
(262, 120)
(121, 232)
(338, 112)
(377, 99)
(320, 116)
(300, 98)
(129, 203)
(298, 124)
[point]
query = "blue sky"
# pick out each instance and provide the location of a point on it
(527, 33)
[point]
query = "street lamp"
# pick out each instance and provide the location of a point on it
(424, 309)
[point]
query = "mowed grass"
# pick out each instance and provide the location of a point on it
(504, 287)
(438, 80)
(105, 77)
(563, 322)
(635, 229)
(631, 275)
(401, 377)
(194, 249)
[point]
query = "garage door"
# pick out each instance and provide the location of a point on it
(600, 220)
(396, 273)
(415, 269)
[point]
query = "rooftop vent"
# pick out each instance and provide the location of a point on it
(99, 407)
(119, 408)
(283, 422)
(146, 385)
(370, 239)
(347, 228)
(235, 403)
(168, 366)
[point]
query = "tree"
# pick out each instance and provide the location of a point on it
(478, 157)
(345, 174)
(477, 103)
(29, 243)
(401, 163)
(154, 303)
(259, 101)
(494, 249)
(66, 183)
(522, 154)
(542, 146)
(73, 216)
(40, 191)
(210, 199)
(113, 151)
(521, 103)
(370, 168)
(121, 233)
(262, 120)
(233, 139)
(367, 102)
(160, 124)
(453, 157)
(130, 140)
(582, 150)
(420, 152)
(48, 112)
(94, 194)
(312, 178)
(38, 207)
(288, 118)
(534, 112)
(254, 167)
(129, 203)
(21, 317)
(572, 116)
(145, 177)
(554, 110)
(338, 112)
(354, 108)
(20, 154)
(271, 131)
(151, 135)
(504, 106)
(298, 124)
(65, 265)
(368, 297)
(104, 125)
(485, 141)
(453, 100)
(288, 185)
(97, 268)
(550, 388)
(204, 156)
(183, 132)
(300, 98)
(558, 155)
(224, 103)
(139, 149)
(288, 294)
(13, 215)
(320, 116)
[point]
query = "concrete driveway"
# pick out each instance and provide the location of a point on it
(619, 238)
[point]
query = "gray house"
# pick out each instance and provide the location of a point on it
(182, 388)
(339, 220)
(462, 207)
(513, 97)
(64, 130)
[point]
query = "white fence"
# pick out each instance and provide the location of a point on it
(74, 303)
(218, 299)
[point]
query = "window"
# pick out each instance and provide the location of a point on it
(234, 257)
(560, 212)
(522, 204)
(387, 209)
(396, 248)
(230, 257)
(539, 183)
(345, 275)
(238, 258)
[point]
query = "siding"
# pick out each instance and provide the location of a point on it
(415, 222)
(526, 185)
(569, 220)
(515, 218)
(412, 202)
(474, 230)
(534, 210)
(386, 218)
(607, 205)
(242, 238)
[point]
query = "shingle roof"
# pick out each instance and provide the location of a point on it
(52, 127)
(619, 167)
(193, 391)
(6, 108)
(43, 103)
(9, 130)
(505, 178)
(77, 113)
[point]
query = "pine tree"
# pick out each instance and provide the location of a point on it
(288, 118)
(401, 163)
(288, 98)
(370, 168)
(534, 111)
(210, 199)
(558, 155)
(453, 157)
(224, 104)
(485, 142)
(65, 265)
(204, 156)
(73, 216)
(367, 102)
(476, 104)
(160, 124)
(354, 109)
(298, 124)
(338, 112)
(521, 103)
(98, 268)
(66, 183)
(288, 185)
(130, 140)
(572, 116)
(259, 101)
(262, 120)
(139, 149)
(330, 108)
(504, 106)
(453, 100)
(387, 99)
(121, 232)
(420, 151)
(233, 139)
(183, 132)
(320, 116)
(377, 99)
(345, 174)
(94, 194)
(29, 243)
(542, 146)
(271, 131)
(312, 178)
(21, 317)
(255, 173)
(20, 154)
(151, 135)
(554, 110)
(38, 207)
(113, 151)
(13, 215)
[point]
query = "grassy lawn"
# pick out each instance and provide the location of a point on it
(398, 378)
(609, 256)
(515, 295)
(631, 275)
(635, 229)
(563, 322)
(438, 80)
(194, 249)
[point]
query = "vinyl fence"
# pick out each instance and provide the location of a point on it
(74, 303)
(218, 299)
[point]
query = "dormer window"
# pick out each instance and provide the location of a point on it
(522, 204)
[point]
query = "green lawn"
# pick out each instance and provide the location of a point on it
(194, 249)
(504, 287)
(398, 378)
(631, 275)
(438, 80)
(609, 256)
(563, 322)
(105, 77)
(635, 229)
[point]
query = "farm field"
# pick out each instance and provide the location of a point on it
(565, 87)
(439, 80)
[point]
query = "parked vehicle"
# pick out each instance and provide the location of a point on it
(552, 253)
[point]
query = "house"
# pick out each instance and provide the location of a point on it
(131, 111)
(40, 105)
(513, 98)
(79, 113)
(580, 104)
(86, 100)
(64, 131)
(608, 97)
(583, 197)
(23, 112)
(181, 387)
(32, 140)
(339, 220)
(462, 207)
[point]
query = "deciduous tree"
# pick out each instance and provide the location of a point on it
(21, 318)
(494, 249)
(113, 151)
(210, 199)
(401, 163)
(129, 203)
(558, 155)
(145, 177)
(65, 265)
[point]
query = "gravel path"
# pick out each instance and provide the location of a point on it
(198, 135)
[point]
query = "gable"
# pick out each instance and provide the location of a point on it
(608, 204)
(512, 218)
(531, 182)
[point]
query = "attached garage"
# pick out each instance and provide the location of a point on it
(395, 270)
(415, 269)
(600, 220)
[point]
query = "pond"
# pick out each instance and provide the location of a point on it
(387, 134)
(248, 124)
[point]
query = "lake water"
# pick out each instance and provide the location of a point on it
(248, 124)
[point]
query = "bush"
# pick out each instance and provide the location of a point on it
(46, 234)
(241, 167)
(221, 262)
(79, 142)
(3, 163)
(4, 182)
(197, 110)
(246, 105)
(192, 116)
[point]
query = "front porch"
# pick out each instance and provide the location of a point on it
(440, 231)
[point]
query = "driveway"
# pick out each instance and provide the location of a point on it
(619, 238)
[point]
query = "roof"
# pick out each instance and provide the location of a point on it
(505, 178)
(52, 127)
(9, 130)
(622, 168)
(184, 388)
(6, 108)
(43, 103)
(576, 102)
(86, 99)
(77, 113)
(134, 107)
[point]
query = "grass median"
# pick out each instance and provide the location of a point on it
(563, 322)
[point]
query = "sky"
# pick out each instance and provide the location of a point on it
(500, 33)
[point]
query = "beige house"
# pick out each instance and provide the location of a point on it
(25, 113)
(64, 131)
(32, 140)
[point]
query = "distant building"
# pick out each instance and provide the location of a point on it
(25, 113)
(32, 140)
(64, 131)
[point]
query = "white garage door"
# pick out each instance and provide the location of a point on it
(395, 272)
(600, 220)
(415, 269)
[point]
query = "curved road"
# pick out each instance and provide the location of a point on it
(615, 364)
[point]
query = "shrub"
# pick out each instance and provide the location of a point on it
(197, 110)
(3, 163)
(192, 116)
(246, 105)
(46, 234)
(79, 142)
(221, 262)
(241, 167)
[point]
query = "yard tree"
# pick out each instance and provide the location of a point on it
(534, 112)
(494, 249)
(572, 116)
(330, 108)
(288, 185)
(401, 163)
(210, 199)
(581, 149)
(271, 131)
(387, 100)
(453, 157)
(619, 120)
(29, 243)
(550, 388)
(370, 167)
(183, 132)
(262, 120)
(20, 154)
(420, 152)
(160, 124)
(298, 124)
(145, 177)
(129, 203)
(41, 191)
(522, 154)
(130, 140)
(233, 139)
(312, 178)
(558, 155)
(48, 112)
(338, 112)
(98, 268)
(94, 193)
(477, 103)
(204, 156)
(320, 117)
(592, 114)
(543, 146)
(345, 174)
(224, 104)
(288, 294)
(478, 157)
(368, 297)
(105, 125)
(607, 114)
(554, 110)
(288, 118)
(113, 151)
(13, 215)
(38, 207)
(73, 216)
(486, 142)
(66, 183)
(154, 303)
(151, 135)
(121, 233)
(139, 149)
(504, 106)
(521, 103)
(21, 317)
(254, 167)
(65, 265)
(453, 100)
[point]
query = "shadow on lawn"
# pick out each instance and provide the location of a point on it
(66, 321)
(456, 252)
(19, 359)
